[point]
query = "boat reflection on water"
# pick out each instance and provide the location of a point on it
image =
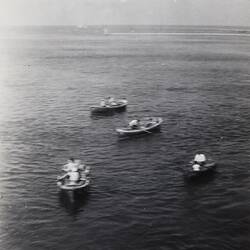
(73, 202)
(111, 113)
(202, 180)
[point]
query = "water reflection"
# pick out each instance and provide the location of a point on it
(110, 113)
(201, 180)
(73, 202)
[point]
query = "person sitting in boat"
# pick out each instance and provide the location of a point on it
(72, 176)
(111, 101)
(200, 159)
(150, 122)
(102, 103)
(72, 165)
(83, 175)
(134, 124)
(196, 167)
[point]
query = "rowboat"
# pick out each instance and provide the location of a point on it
(119, 105)
(84, 181)
(147, 125)
(205, 169)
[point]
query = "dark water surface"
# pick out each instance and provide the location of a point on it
(138, 198)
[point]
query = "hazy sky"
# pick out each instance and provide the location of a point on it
(81, 12)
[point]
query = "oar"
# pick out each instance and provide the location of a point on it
(59, 178)
(146, 131)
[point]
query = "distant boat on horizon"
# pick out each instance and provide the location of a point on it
(105, 31)
(82, 26)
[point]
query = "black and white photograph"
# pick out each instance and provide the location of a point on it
(124, 124)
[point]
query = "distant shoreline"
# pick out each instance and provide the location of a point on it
(179, 34)
(130, 30)
(83, 26)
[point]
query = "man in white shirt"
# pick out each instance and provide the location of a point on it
(72, 165)
(200, 158)
(110, 101)
(73, 177)
(134, 124)
(102, 103)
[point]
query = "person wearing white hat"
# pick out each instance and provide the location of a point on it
(200, 158)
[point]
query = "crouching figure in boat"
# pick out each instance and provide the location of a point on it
(76, 176)
(200, 166)
(142, 126)
(110, 104)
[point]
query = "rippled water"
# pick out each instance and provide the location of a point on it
(138, 198)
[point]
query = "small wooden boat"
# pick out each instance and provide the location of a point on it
(65, 184)
(147, 125)
(118, 105)
(205, 170)
(73, 187)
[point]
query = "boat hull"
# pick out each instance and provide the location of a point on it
(156, 123)
(80, 186)
(121, 106)
(83, 182)
(205, 170)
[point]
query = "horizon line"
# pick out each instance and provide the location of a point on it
(86, 25)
